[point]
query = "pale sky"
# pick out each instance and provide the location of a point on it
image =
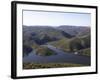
(32, 18)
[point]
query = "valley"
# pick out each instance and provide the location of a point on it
(61, 46)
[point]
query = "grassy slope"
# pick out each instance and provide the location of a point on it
(85, 52)
(42, 50)
(81, 44)
(61, 44)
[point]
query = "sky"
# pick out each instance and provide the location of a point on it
(33, 18)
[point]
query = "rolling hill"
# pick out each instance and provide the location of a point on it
(76, 44)
(64, 37)
(43, 34)
(75, 30)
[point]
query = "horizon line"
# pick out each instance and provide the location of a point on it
(56, 26)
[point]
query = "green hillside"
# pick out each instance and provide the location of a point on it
(44, 51)
(43, 34)
(63, 44)
(81, 44)
(86, 52)
(35, 36)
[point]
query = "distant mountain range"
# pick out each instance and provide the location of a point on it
(75, 30)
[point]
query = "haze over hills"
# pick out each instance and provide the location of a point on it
(75, 30)
(72, 30)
